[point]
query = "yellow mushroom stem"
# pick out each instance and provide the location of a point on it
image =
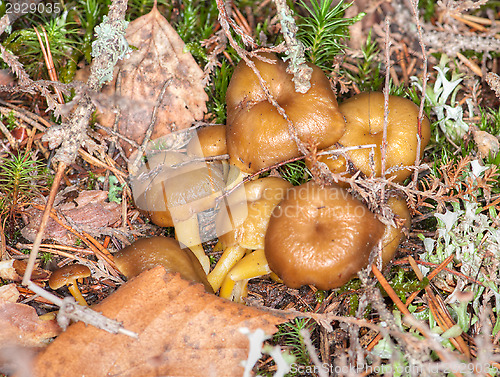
(188, 234)
(75, 292)
(275, 278)
(240, 290)
(229, 258)
(251, 266)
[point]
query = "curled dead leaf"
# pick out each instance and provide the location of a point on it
(486, 143)
(182, 331)
(159, 73)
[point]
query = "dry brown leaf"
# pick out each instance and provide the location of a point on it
(9, 293)
(88, 212)
(183, 331)
(14, 269)
(20, 325)
(158, 71)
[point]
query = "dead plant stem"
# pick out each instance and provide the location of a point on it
(43, 224)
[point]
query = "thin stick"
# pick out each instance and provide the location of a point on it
(386, 96)
(43, 224)
(414, 7)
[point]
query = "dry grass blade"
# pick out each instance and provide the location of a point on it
(439, 311)
(412, 296)
(394, 297)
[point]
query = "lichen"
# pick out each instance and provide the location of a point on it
(110, 39)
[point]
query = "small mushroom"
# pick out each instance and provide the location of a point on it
(257, 135)
(173, 190)
(208, 142)
(68, 275)
(146, 253)
(321, 236)
(243, 227)
(364, 115)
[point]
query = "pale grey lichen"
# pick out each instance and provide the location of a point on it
(110, 40)
(295, 49)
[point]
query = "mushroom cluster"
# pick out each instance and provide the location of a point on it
(305, 234)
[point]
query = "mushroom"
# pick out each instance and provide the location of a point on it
(173, 190)
(321, 236)
(393, 235)
(68, 275)
(208, 142)
(243, 227)
(146, 253)
(257, 135)
(364, 115)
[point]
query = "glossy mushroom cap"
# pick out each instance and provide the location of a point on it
(394, 235)
(208, 142)
(148, 194)
(257, 136)
(364, 115)
(248, 231)
(68, 275)
(146, 253)
(320, 236)
(173, 193)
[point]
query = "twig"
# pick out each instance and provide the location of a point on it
(312, 352)
(3, 243)
(439, 311)
(69, 311)
(383, 147)
(409, 318)
(140, 152)
(11, 139)
(414, 7)
(43, 224)
(49, 62)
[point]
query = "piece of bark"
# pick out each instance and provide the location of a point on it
(182, 331)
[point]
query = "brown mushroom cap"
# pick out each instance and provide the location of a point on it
(67, 275)
(257, 136)
(262, 195)
(180, 191)
(208, 142)
(364, 115)
(393, 235)
(146, 253)
(148, 197)
(320, 236)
